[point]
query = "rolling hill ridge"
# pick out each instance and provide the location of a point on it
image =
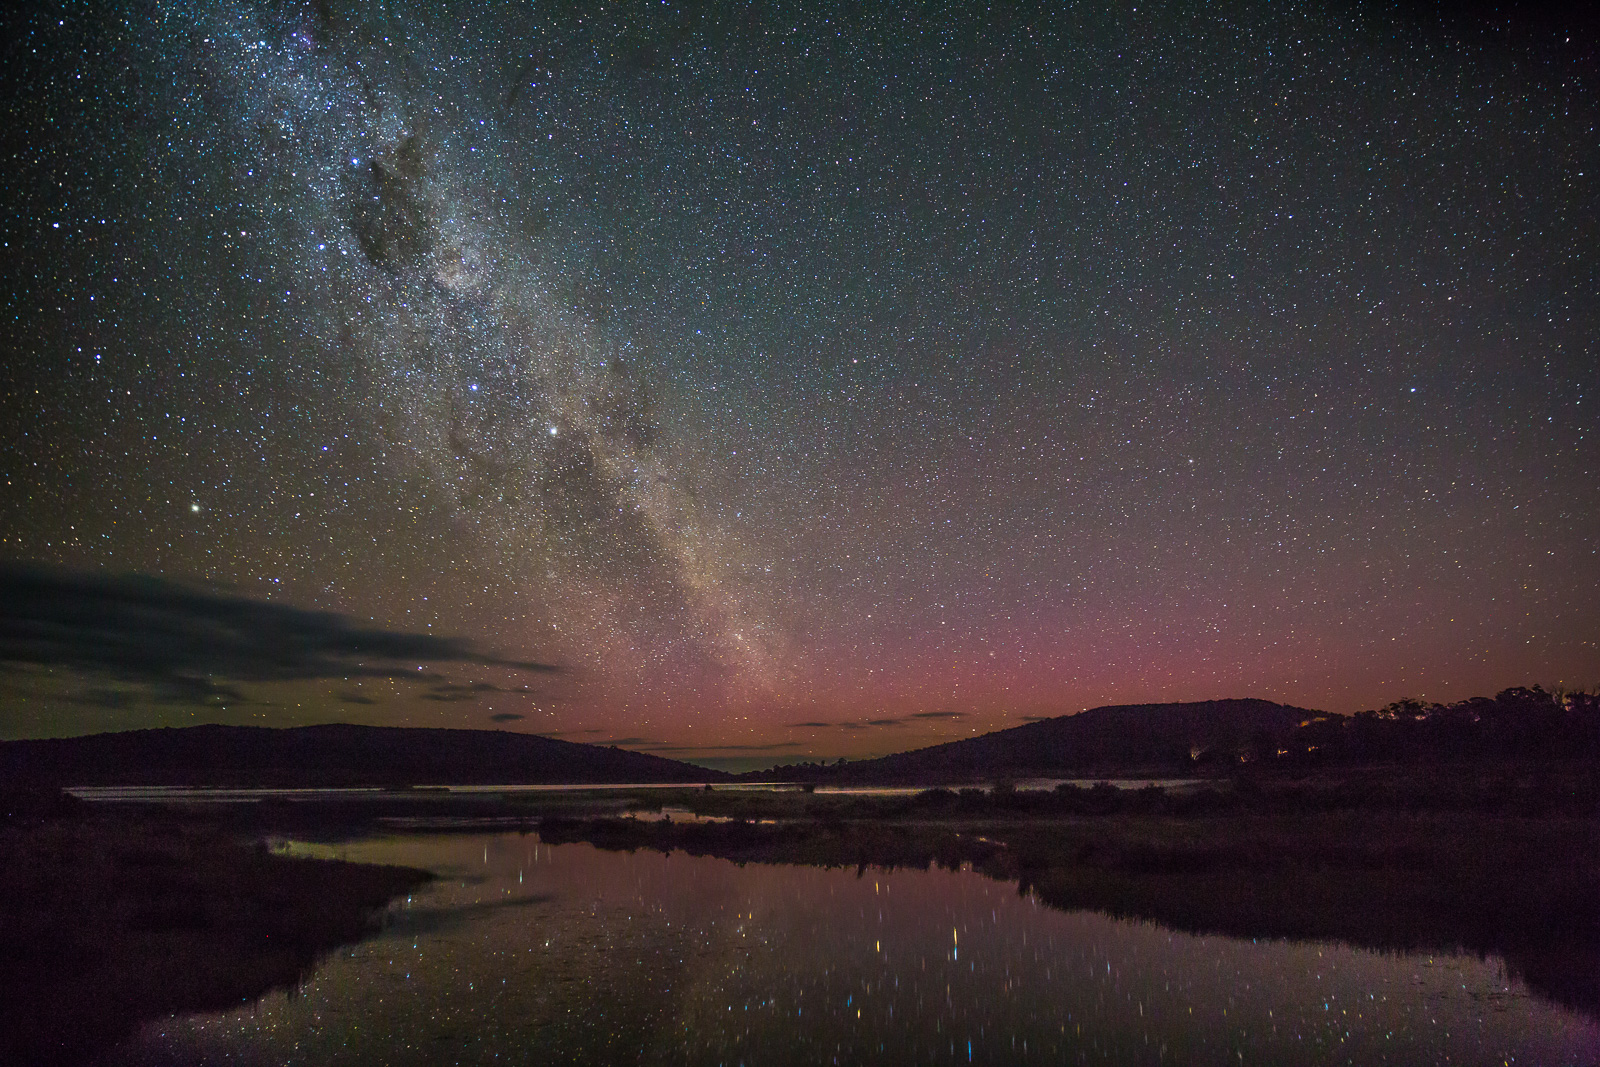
(1159, 738)
(329, 756)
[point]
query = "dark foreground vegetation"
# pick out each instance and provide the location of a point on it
(1504, 867)
(112, 917)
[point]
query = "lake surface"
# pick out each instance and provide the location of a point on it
(527, 953)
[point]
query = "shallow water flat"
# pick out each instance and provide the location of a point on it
(527, 953)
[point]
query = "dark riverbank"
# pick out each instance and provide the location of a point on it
(113, 917)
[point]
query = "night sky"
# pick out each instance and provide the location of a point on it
(809, 381)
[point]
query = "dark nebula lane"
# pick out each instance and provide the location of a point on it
(899, 373)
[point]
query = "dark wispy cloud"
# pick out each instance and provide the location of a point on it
(505, 716)
(110, 699)
(193, 644)
(453, 692)
(777, 746)
(865, 724)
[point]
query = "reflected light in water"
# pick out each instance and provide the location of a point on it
(524, 953)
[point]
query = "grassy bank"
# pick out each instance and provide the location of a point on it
(110, 918)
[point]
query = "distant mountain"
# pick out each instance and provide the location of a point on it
(1126, 737)
(333, 755)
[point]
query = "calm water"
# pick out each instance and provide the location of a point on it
(524, 953)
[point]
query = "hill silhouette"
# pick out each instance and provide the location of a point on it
(328, 756)
(1123, 737)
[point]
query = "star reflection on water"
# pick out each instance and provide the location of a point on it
(524, 952)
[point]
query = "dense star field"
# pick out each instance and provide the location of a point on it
(807, 380)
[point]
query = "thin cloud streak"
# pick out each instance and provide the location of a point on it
(191, 644)
(864, 724)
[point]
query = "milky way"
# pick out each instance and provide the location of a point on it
(406, 174)
(880, 371)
